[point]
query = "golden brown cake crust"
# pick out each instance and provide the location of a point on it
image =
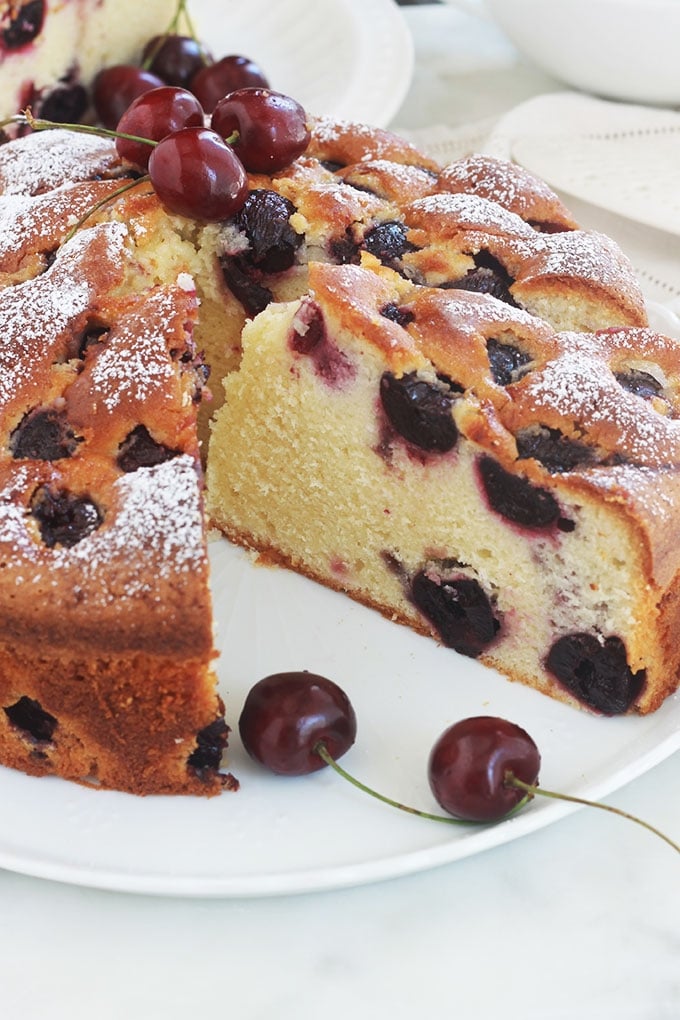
(512, 187)
(106, 661)
(345, 142)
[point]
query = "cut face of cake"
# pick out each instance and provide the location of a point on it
(51, 50)
(456, 464)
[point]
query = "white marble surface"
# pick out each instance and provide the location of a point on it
(581, 920)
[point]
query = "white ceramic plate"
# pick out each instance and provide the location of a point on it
(349, 59)
(317, 832)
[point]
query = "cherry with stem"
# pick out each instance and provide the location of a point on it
(181, 11)
(529, 791)
(174, 57)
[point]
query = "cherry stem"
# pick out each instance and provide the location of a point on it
(111, 197)
(172, 29)
(511, 780)
(182, 9)
(323, 753)
(36, 124)
(518, 784)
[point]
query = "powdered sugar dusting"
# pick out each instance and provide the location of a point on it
(404, 172)
(470, 212)
(398, 182)
(34, 314)
(480, 312)
(586, 255)
(575, 254)
(38, 311)
(508, 184)
(22, 215)
(330, 132)
(496, 178)
(642, 482)
(154, 533)
(13, 534)
(362, 141)
(131, 367)
(157, 533)
(45, 159)
(580, 388)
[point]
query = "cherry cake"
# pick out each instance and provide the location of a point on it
(429, 389)
(51, 50)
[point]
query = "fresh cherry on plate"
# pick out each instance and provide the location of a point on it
(286, 715)
(481, 769)
(469, 763)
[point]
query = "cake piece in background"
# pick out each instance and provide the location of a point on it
(51, 50)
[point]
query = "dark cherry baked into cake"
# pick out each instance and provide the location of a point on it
(428, 389)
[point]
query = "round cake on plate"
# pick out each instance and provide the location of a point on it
(428, 388)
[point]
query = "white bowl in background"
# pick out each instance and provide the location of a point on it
(618, 49)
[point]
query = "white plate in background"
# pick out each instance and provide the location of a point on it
(350, 59)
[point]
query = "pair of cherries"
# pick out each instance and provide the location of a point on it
(296, 723)
(481, 769)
